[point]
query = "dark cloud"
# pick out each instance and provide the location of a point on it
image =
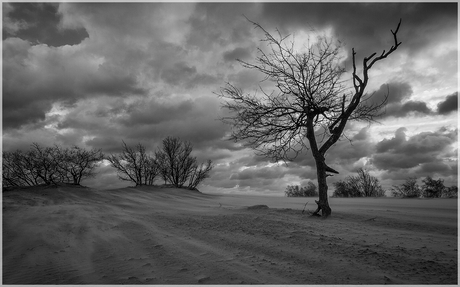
(39, 23)
(435, 167)
(178, 72)
(273, 172)
(209, 18)
(396, 92)
(391, 144)
(407, 109)
(398, 104)
(38, 76)
(110, 80)
(366, 26)
(401, 152)
(450, 104)
(183, 74)
(351, 149)
(18, 113)
(239, 53)
(153, 112)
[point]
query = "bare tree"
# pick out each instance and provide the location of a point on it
(199, 174)
(43, 160)
(76, 163)
(409, 188)
(361, 185)
(310, 102)
(177, 166)
(18, 170)
(135, 165)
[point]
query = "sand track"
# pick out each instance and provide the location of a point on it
(166, 236)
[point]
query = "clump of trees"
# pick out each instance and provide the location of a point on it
(431, 188)
(48, 165)
(304, 191)
(361, 185)
(173, 162)
(53, 165)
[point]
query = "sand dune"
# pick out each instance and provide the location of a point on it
(151, 235)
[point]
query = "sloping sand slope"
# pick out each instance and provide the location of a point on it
(169, 236)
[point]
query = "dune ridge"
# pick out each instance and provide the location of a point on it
(147, 235)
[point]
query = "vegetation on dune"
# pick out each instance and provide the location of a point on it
(56, 165)
(48, 165)
(178, 167)
(135, 165)
(173, 161)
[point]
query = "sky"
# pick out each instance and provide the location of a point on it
(96, 74)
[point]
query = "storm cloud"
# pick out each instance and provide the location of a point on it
(450, 104)
(97, 74)
(426, 150)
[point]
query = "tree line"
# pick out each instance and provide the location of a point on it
(431, 188)
(366, 185)
(301, 191)
(39, 165)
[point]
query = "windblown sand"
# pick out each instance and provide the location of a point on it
(151, 235)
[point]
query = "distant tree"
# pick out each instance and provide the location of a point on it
(344, 189)
(409, 189)
(293, 191)
(177, 166)
(305, 191)
(310, 189)
(432, 187)
(135, 165)
(362, 185)
(310, 103)
(366, 184)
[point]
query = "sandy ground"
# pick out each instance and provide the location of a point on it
(167, 236)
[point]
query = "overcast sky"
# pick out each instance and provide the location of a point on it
(93, 75)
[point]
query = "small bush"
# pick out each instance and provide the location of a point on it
(432, 187)
(409, 189)
(362, 185)
(450, 192)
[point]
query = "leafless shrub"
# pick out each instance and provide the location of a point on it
(134, 164)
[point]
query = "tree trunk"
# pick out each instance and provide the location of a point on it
(321, 169)
(322, 203)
